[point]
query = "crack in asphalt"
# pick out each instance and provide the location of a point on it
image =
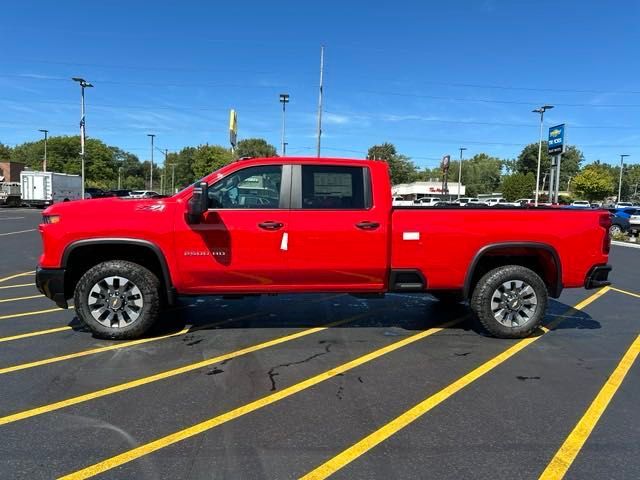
(273, 373)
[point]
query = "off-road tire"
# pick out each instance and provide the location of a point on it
(142, 278)
(481, 301)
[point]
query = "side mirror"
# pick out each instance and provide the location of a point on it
(198, 203)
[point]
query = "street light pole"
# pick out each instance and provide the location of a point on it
(152, 135)
(462, 149)
(284, 99)
(622, 156)
(541, 111)
(83, 84)
(173, 176)
(119, 178)
(44, 164)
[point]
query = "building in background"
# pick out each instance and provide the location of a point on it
(416, 190)
(10, 171)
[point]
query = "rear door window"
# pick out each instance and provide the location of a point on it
(333, 187)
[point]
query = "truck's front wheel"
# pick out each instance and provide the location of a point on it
(510, 301)
(118, 299)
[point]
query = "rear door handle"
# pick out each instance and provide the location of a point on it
(271, 225)
(367, 225)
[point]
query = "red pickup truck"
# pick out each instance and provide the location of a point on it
(283, 225)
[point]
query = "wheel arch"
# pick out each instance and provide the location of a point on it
(103, 249)
(543, 257)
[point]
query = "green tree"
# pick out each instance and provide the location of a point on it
(527, 162)
(208, 158)
(518, 185)
(594, 182)
(255, 147)
(402, 169)
(5, 153)
(480, 174)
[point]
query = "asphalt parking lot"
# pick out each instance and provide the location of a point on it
(317, 385)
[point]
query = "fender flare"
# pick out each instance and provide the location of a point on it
(170, 290)
(532, 245)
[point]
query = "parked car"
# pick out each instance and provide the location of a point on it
(624, 204)
(120, 193)
(122, 261)
(468, 201)
(91, 192)
(619, 225)
(401, 202)
(581, 204)
(625, 212)
(494, 202)
(144, 194)
(596, 204)
(427, 201)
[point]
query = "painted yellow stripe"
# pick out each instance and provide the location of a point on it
(93, 351)
(626, 292)
(383, 433)
(18, 286)
(16, 275)
(198, 428)
(4, 300)
(168, 373)
(34, 334)
(569, 450)
(36, 312)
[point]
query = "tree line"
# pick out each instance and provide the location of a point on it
(481, 174)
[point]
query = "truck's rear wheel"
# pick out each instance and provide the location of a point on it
(510, 301)
(118, 299)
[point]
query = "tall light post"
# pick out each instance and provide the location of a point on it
(119, 178)
(541, 111)
(284, 99)
(152, 136)
(173, 176)
(622, 157)
(83, 84)
(44, 163)
(462, 149)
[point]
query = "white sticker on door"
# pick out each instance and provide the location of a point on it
(411, 235)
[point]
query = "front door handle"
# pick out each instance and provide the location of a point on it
(367, 225)
(271, 225)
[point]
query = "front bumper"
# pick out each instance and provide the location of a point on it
(598, 277)
(50, 282)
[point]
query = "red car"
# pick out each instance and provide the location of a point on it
(283, 225)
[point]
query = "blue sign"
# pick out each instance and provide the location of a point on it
(556, 140)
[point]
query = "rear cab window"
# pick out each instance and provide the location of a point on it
(335, 187)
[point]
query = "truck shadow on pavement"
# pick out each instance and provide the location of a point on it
(410, 313)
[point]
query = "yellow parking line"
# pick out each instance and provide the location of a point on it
(34, 334)
(23, 274)
(394, 426)
(36, 312)
(626, 292)
(17, 286)
(198, 428)
(169, 373)
(569, 450)
(4, 300)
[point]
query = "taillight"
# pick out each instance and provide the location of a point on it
(50, 219)
(605, 223)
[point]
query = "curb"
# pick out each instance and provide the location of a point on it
(625, 244)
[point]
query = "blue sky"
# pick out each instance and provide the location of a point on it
(427, 76)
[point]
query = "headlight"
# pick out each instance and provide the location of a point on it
(50, 218)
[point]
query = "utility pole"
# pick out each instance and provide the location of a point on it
(173, 176)
(320, 98)
(83, 84)
(462, 149)
(44, 164)
(152, 135)
(622, 157)
(284, 99)
(541, 111)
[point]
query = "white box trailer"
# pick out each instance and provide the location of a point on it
(40, 189)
